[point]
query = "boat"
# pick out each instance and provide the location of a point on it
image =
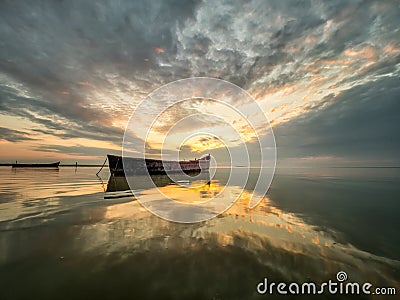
(126, 166)
(50, 165)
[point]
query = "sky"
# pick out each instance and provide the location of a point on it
(324, 73)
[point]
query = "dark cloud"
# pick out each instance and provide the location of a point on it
(54, 120)
(54, 47)
(249, 41)
(77, 150)
(12, 135)
(48, 40)
(360, 123)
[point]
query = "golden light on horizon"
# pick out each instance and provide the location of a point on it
(202, 143)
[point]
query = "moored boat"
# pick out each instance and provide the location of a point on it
(122, 166)
(50, 165)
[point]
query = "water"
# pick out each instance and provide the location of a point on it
(60, 239)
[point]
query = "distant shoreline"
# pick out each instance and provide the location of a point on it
(73, 165)
(67, 165)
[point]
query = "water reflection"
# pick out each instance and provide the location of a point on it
(33, 193)
(280, 241)
(88, 247)
(271, 234)
(120, 183)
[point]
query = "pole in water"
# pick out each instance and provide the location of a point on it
(101, 167)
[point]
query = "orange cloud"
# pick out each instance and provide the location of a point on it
(158, 50)
(310, 39)
(391, 49)
(86, 83)
(367, 52)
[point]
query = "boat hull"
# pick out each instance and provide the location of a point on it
(128, 166)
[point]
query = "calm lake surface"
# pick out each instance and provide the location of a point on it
(60, 239)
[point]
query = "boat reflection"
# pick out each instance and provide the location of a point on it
(118, 186)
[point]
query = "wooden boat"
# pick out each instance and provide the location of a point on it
(138, 166)
(51, 165)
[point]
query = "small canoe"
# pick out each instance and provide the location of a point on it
(51, 165)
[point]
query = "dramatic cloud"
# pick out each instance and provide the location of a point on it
(13, 135)
(359, 126)
(72, 72)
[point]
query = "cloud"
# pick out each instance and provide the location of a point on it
(54, 121)
(76, 150)
(79, 69)
(59, 60)
(360, 123)
(11, 135)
